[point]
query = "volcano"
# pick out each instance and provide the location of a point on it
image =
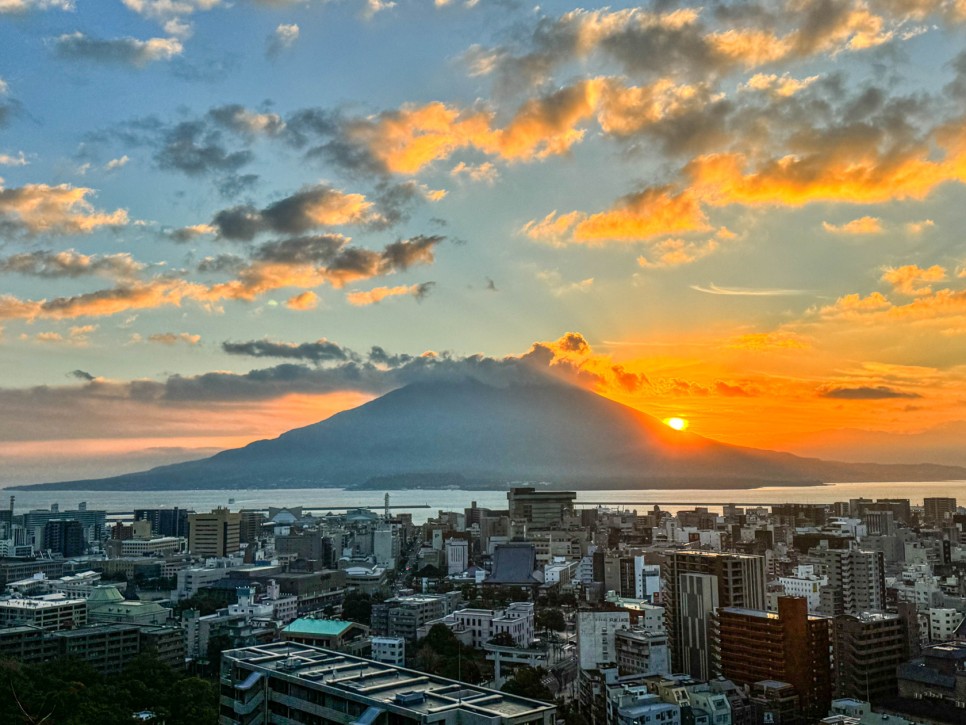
(468, 434)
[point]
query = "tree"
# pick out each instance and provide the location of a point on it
(550, 619)
(357, 607)
(440, 653)
(528, 682)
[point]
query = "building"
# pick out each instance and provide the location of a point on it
(50, 612)
(336, 634)
(596, 637)
(389, 650)
(856, 581)
(640, 651)
(165, 522)
(943, 623)
(740, 582)
(868, 648)
(938, 675)
(288, 682)
(750, 646)
(106, 647)
(543, 509)
(214, 534)
(482, 625)
(64, 537)
(805, 583)
(697, 596)
(936, 509)
(107, 604)
(457, 556)
(403, 616)
(157, 546)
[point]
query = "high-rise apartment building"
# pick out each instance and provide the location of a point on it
(65, 537)
(868, 648)
(751, 646)
(215, 533)
(740, 582)
(856, 582)
(697, 601)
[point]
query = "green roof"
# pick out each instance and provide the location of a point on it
(320, 627)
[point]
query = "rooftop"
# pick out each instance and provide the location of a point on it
(318, 627)
(387, 685)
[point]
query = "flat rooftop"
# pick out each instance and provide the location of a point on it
(383, 684)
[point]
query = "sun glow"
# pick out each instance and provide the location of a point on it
(676, 423)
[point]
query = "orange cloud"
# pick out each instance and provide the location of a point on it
(913, 280)
(862, 225)
(364, 298)
(63, 209)
(644, 215)
(305, 301)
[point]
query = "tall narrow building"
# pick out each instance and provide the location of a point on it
(740, 583)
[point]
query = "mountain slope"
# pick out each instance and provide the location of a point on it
(474, 434)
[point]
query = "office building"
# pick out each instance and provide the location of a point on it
(214, 534)
(51, 612)
(286, 682)
(389, 650)
(937, 509)
(793, 647)
(165, 522)
(640, 651)
(543, 509)
(596, 637)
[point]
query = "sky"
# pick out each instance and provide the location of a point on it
(220, 220)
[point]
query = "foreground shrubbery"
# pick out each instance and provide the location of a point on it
(70, 692)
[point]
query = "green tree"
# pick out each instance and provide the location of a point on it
(552, 619)
(528, 682)
(357, 607)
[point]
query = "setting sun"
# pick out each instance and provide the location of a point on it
(676, 423)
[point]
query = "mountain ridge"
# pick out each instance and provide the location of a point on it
(485, 436)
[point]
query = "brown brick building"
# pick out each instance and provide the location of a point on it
(750, 646)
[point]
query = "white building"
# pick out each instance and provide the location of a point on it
(457, 556)
(596, 633)
(385, 546)
(389, 650)
(647, 579)
(943, 623)
(192, 579)
(805, 583)
(485, 624)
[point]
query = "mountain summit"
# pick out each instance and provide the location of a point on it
(471, 434)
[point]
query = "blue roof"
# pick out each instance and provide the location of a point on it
(320, 627)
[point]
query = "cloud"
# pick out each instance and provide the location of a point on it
(304, 301)
(918, 227)
(378, 294)
(783, 85)
(766, 341)
(312, 207)
(320, 351)
(195, 149)
(117, 163)
(173, 338)
(170, 13)
(643, 215)
(9, 160)
(72, 264)
(486, 172)
(35, 209)
(863, 225)
(879, 392)
(713, 289)
(913, 280)
(675, 252)
(283, 38)
(14, 7)
(559, 288)
(240, 120)
(82, 375)
(117, 51)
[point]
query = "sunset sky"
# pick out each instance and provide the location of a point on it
(223, 219)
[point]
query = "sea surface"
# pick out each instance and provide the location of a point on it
(335, 499)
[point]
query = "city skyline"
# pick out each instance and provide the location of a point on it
(222, 221)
